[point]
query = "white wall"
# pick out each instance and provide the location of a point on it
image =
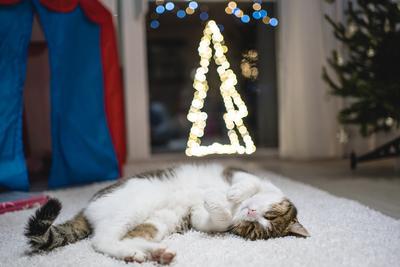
(307, 121)
(134, 59)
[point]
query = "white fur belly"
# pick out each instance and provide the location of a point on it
(139, 199)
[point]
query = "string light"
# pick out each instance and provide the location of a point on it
(256, 6)
(169, 6)
(233, 116)
(181, 14)
(238, 13)
(273, 22)
(160, 9)
(266, 20)
(189, 11)
(232, 5)
(204, 16)
(154, 24)
(193, 5)
(245, 19)
(256, 15)
(232, 8)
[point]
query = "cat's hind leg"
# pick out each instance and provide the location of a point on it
(133, 245)
(149, 234)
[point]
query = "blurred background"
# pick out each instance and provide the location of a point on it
(293, 84)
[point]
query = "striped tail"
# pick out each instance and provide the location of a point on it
(44, 236)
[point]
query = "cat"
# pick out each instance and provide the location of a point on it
(128, 219)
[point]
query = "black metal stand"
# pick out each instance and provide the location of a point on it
(389, 150)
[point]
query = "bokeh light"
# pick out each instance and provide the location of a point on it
(245, 19)
(160, 9)
(193, 5)
(257, 12)
(235, 107)
(263, 13)
(169, 6)
(256, 6)
(256, 15)
(189, 11)
(238, 13)
(154, 24)
(204, 16)
(273, 22)
(181, 14)
(232, 5)
(266, 20)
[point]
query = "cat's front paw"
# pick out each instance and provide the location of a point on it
(214, 201)
(216, 204)
(237, 193)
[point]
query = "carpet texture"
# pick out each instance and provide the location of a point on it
(343, 233)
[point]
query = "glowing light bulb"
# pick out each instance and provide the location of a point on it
(245, 19)
(193, 5)
(160, 9)
(273, 22)
(256, 6)
(189, 11)
(169, 6)
(232, 5)
(154, 24)
(235, 107)
(204, 16)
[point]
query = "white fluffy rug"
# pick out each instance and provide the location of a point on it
(343, 233)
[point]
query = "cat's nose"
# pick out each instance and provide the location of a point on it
(251, 212)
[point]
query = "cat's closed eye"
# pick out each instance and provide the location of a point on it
(270, 215)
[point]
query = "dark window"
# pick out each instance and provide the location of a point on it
(173, 58)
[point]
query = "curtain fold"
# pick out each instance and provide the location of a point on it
(87, 109)
(15, 35)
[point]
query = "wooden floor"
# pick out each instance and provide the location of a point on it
(375, 184)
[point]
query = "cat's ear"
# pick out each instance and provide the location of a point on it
(297, 229)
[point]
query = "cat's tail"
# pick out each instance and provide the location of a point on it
(43, 235)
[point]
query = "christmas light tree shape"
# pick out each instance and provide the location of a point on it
(236, 109)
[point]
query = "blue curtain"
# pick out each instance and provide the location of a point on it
(15, 33)
(82, 150)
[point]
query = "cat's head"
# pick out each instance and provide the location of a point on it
(266, 216)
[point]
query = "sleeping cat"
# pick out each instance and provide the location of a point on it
(129, 218)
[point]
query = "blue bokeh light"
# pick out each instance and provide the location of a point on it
(221, 27)
(169, 6)
(181, 14)
(160, 9)
(193, 5)
(256, 15)
(245, 18)
(154, 24)
(204, 16)
(273, 22)
(263, 13)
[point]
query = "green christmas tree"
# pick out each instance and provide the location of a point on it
(368, 71)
